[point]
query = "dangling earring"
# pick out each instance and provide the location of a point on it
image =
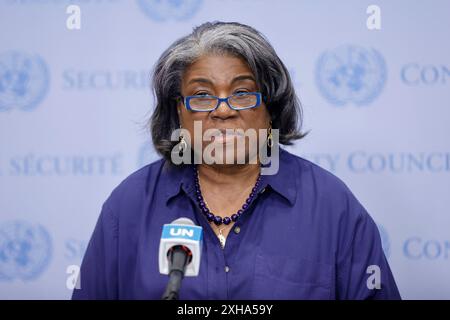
(182, 146)
(269, 136)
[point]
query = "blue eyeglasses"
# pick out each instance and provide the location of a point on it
(238, 101)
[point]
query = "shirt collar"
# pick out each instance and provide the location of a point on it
(177, 178)
(284, 182)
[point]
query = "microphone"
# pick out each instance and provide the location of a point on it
(179, 253)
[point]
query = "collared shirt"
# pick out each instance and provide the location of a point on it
(304, 236)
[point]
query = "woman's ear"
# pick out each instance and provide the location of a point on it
(179, 105)
(179, 114)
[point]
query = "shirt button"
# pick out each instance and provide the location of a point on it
(227, 269)
(237, 230)
(263, 190)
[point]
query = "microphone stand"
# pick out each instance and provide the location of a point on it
(178, 261)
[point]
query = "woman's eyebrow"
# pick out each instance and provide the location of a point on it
(235, 79)
(243, 77)
(200, 80)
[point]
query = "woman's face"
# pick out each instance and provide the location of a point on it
(222, 76)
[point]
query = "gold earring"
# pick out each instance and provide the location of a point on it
(182, 146)
(269, 136)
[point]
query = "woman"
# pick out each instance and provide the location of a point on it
(297, 233)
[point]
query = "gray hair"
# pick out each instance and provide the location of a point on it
(223, 38)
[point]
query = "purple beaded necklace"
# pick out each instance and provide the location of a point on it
(218, 220)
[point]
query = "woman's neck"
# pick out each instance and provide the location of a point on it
(226, 175)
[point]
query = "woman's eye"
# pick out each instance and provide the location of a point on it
(240, 91)
(201, 94)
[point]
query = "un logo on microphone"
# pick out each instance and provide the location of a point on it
(351, 74)
(163, 10)
(24, 81)
(25, 250)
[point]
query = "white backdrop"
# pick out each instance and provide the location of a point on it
(73, 104)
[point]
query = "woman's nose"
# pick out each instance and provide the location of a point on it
(223, 111)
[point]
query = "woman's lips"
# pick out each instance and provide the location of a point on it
(228, 136)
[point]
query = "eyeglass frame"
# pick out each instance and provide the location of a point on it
(259, 98)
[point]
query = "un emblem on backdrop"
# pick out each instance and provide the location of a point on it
(162, 10)
(351, 74)
(24, 81)
(25, 250)
(385, 243)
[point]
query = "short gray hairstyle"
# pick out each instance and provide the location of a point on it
(223, 38)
